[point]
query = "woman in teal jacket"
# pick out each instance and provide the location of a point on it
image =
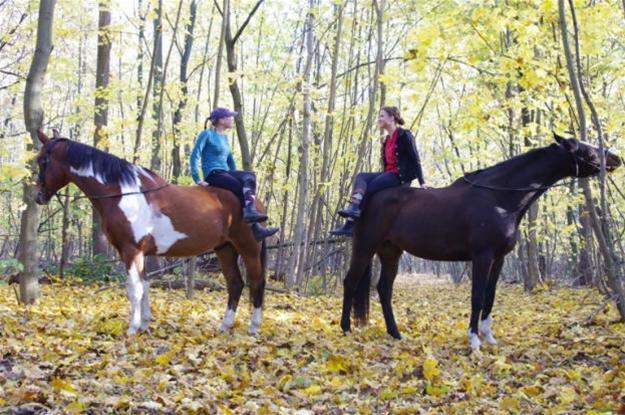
(219, 169)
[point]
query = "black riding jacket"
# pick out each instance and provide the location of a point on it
(408, 160)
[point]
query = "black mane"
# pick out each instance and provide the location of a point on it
(112, 169)
(514, 164)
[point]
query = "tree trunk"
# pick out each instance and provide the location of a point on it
(100, 116)
(323, 192)
(608, 256)
(225, 13)
(155, 159)
(33, 119)
(184, 61)
(297, 271)
(237, 100)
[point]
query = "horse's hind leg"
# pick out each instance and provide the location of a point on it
(227, 256)
(251, 253)
(482, 265)
(489, 299)
(389, 258)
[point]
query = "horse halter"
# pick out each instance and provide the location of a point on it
(41, 178)
(577, 159)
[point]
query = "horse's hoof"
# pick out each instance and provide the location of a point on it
(224, 327)
(395, 335)
(490, 339)
(253, 331)
(131, 331)
(475, 341)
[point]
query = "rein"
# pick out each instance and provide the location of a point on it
(111, 195)
(576, 160)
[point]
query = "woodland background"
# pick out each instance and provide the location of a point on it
(477, 82)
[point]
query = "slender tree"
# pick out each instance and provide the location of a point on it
(33, 120)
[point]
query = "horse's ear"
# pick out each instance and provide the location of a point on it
(571, 144)
(56, 133)
(42, 136)
(559, 139)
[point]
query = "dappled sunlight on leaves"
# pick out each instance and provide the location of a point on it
(70, 352)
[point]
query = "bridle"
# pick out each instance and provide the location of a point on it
(44, 166)
(576, 162)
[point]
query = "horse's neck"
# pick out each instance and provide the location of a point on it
(549, 168)
(91, 186)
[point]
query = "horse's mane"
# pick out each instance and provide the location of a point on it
(512, 165)
(112, 169)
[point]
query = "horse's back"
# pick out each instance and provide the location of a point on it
(190, 220)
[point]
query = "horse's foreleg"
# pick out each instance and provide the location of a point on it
(489, 299)
(481, 270)
(389, 259)
(234, 282)
(135, 288)
(146, 312)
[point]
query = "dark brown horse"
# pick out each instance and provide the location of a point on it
(143, 215)
(475, 219)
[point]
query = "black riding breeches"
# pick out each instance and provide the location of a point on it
(241, 183)
(368, 184)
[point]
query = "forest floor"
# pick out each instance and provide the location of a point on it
(559, 351)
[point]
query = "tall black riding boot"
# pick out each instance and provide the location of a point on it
(353, 209)
(260, 232)
(251, 215)
(344, 230)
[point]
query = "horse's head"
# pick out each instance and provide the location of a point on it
(587, 157)
(52, 174)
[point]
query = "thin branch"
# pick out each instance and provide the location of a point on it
(245, 23)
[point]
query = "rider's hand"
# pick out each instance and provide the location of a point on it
(203, 183)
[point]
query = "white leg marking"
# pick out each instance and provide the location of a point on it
(486, 330)
(146, 312)
(135, 293)
(145, 219)
(257, 319)
(228, 320)
(474, 340)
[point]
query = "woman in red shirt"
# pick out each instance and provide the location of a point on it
(401, 165)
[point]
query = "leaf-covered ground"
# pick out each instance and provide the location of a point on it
(70, 353)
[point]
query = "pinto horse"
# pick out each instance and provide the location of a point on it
(475, 219)
(142, 214)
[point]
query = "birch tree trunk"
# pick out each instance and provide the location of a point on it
(297, 270)
(157, 59)
(33, 119)
(608, 256)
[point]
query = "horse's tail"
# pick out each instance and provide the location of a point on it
(361, 297)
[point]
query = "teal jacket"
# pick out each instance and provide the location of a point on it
(213, 151)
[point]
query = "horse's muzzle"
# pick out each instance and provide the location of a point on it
(612, 161)
(41, 198)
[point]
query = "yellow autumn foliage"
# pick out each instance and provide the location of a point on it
(70, 353)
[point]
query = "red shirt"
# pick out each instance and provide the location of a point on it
(389, 153)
